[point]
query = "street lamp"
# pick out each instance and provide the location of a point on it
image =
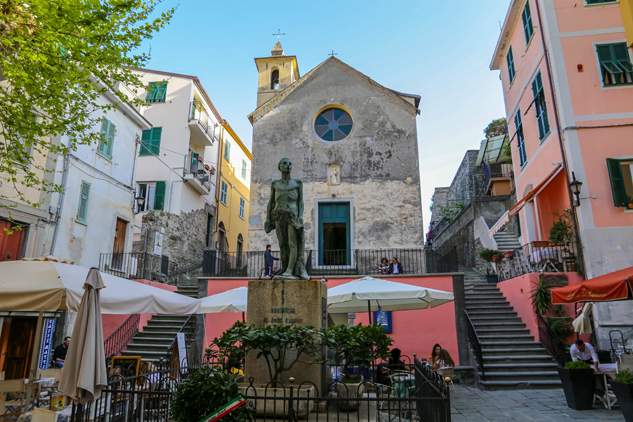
(575, 187)
(140, 201)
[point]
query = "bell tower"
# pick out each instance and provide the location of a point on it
(276, 73)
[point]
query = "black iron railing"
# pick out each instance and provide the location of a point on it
(538, 257)
(189, 330)
(552, 343)
(117, 341)
(201, 116)
(142, 266)
(351, 262)
(475, 345)
(203, 173)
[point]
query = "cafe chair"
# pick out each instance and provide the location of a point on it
(42, 415)
(12, 406)
(448, 378)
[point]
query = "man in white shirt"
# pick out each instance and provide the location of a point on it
(584, 351)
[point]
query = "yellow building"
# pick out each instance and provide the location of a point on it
(233, 190)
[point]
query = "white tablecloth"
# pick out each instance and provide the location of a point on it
(544, 255)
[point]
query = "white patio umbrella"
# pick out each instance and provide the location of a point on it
(233, 300)
(369, 293)
(85, 373)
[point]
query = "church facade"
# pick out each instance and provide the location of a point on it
(353, 142)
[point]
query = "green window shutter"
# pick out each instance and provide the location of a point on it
(159, 195)
(227, 151)
(146, 148)
(103, 144)
(223, 192)
(621, 56)
(615, 64)
(528, 28)
(242, 204)
(510, 61)
(150, 143)
(617, 182)
(161, 92)
(110, 138)
(520, 138)
(150, 92)
(155, 140)
(244, 169)
(540, 107)
(194, 159)
(84, 195)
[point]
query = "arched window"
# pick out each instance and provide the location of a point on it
(274, 79)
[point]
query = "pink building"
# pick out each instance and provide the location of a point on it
(567, 78)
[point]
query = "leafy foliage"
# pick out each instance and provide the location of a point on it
(451, 210)
(487, 254)
(562, 326)
(281, 346)
(358, 345)
(561, 232)
(203, 393)
(625, 376)
(579, 364)
(496, 127)
(542, 297)
(57, 58)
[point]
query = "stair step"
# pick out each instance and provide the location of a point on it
(501, 344)
(164, 341)
(492, 313)
(512, 351)
(520, 368)
(485, 331)
(486, 299)
(483, 295)
(520, 385)
(143, 347)
(496, 320)
(518, 359)
(495, 306)
(155, 355)
(166, 322)
(506, 338)
(522, 376)
(157, 334)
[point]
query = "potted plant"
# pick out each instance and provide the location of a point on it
(487, 254)
(630, 198)
(357, 346)
(542, 297)
(508, 254)
(496, 257)
(577, 379)
(622, 386)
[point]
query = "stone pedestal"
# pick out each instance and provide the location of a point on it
(289, 302)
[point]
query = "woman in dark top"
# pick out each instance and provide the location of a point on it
(383, 268)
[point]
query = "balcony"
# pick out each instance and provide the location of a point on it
(197, 174)
(538, 257)
(201, 125)
(497, 178)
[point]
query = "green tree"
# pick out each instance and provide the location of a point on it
(496, 127)
(57, 58)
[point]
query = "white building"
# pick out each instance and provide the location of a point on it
(177, 168)
(95, 215)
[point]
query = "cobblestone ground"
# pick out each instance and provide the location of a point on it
(474, 405)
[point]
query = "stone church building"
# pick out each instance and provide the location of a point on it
(353, 142)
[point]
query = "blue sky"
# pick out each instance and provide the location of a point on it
(440, 50)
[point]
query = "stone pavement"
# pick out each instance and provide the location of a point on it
(474, 405)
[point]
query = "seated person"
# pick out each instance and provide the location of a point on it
(435, 354)
(59, 355)
(383, 268)
(584, 351)
(395, 364)
(395, 267)
(444, 361)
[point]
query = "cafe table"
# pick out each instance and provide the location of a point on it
(402, 383)
(607, 370)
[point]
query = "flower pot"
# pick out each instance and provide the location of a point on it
(269, 403)
(540, 243)
(578, 387)
(496, 258)
(206, 166)
(630, 206)
(624, 393)
(492, 278)
(349, 390)
(200, 159)
(508, 254)
(571, 267)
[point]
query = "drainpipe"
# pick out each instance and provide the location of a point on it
(61, 203)
(580, 256)
(219, 179)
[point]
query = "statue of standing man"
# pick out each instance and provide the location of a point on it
(285, 215)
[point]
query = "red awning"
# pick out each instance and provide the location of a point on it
(613, 286)
(527, 198)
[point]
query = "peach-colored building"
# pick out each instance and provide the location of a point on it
(567, 78)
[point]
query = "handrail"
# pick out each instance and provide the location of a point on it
(117, 341)
(475, 343)
(189, 329)
(552, 342)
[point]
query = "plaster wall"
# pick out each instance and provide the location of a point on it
(437, 324)
(378, 160)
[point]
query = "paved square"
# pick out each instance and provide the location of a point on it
(474, 405)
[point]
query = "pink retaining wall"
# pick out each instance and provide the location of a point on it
(518, 291)
(413, 331)
(112, 322)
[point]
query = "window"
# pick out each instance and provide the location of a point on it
(518, 124)
(84, 195)
(244, 169)
(540, 107)
(333, 124)
(528, 28)
(108, 130)
(510, 61)
(156, 92)
(242, 204)
(159, 195)
(223, 192)
(227, 150)
(154, 194)
(600, 1)
(150, 143)
(615, 64)
(274, 79)
(621, 176)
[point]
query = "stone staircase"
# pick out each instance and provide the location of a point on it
(154, 341)
(512, 358)
(506, 241)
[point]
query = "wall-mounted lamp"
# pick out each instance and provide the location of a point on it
(140, 201)
(575, 187)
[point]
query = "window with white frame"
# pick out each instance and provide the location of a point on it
(223, 192)
(621, 177)
(242, 205)
(615, 64)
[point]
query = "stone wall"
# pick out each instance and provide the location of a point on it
(440, 201)
(468, 180)
(184, 238)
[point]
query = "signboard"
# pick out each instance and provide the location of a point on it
(158, 244)
(47, 343)
(129, 365)
(383, 318)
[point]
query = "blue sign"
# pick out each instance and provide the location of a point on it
(47, 343)
(383, 318)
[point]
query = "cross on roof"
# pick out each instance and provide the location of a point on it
(333, 54)
(278, 34)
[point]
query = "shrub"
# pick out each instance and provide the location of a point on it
(487, 254)
(579, 364)
(203, 393)
(542, 297)
(625, 376)
(562, 326)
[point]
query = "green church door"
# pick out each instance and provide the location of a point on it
(334, 234)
